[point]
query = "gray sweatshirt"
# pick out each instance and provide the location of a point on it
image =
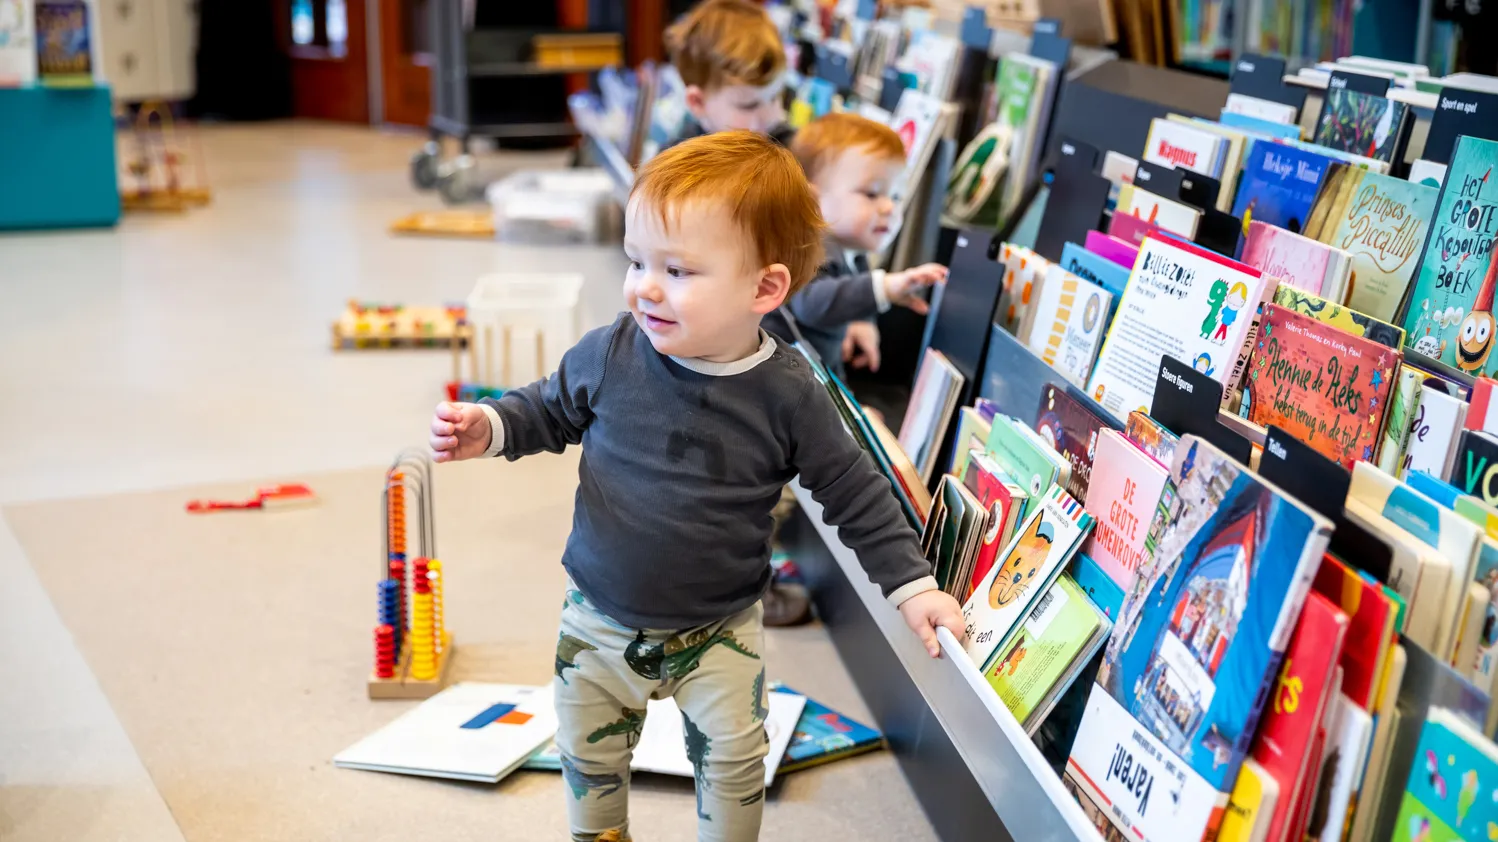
(843, 291)
(682, 462)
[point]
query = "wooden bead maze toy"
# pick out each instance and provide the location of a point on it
(413, 649)
(162, 175)
(373, 325)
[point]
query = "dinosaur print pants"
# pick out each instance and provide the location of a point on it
(605, 674)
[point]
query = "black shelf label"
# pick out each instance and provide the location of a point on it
(1459, 112)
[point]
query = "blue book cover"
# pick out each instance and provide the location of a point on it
(1450, 793)
(1279, 185)
(1091, 267)
(1283, 131)
(823, 734)
(1195, 650)
(1097, 584)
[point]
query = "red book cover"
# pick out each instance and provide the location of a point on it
(1297, 702)
(1004, 499)
(1370, 627)
(1326, 387)
(1483, 414)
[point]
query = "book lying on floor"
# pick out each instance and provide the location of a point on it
(824, 735)
(668, 741)
(468, 732)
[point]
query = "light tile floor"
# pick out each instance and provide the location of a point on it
(189, 349)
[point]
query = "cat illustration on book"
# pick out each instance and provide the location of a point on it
(1020, 567)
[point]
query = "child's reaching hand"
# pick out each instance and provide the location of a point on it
(903, 288)
(929, 609)
(460, 431)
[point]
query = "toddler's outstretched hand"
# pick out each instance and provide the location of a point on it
(903, 288)
(459, 431)
(925, 611)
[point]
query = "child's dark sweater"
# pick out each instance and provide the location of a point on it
(682, 462)
(838, 295)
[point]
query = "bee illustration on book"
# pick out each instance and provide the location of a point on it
(1022, 563)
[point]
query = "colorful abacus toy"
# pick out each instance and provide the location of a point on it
(413, 648)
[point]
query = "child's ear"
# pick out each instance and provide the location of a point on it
(696, 101)
(774, 284)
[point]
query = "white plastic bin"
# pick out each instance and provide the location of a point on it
(551, 206)
(522, 325)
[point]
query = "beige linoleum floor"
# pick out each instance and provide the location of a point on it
(184, 350)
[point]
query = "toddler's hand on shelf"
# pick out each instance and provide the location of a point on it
(924, 612)
(459, 431)
(903, 288)
(861, 345)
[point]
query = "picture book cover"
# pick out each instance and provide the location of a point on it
(1095, 268)
(1326, 387)
(1173, 285)
(1342, 318)
(17, 44)
(1023, 270)
(1482, 414)
(1149, 436)
(1297, 704)
(1364, 124)
(1129, 228)
(1126, 486)
(1234, 143)
(1016, 85)
(1251, 806)
(1381, 222)
(952, 535)
(1474, 469)
(1071, 429)
(1341, 770)
(1026, 568)
(64, 43)
(662, 744)
(1449, 316)
(823, 735)
(1172, 144)
(1105, 593)
(1175, 217)
(1071, 317)
(1256, 127)
(1032, 464)
(1030, 671)
(1115, 251)
(469, 732)
(1293, 259)
(1277, 113)
(980, 192)
(1005, 501)
(1370, 630)
(1188, 666)
(1279, 185)
(917, 117)
(1451, 792)
(972, 433)
(932, 402)
(1434, 428)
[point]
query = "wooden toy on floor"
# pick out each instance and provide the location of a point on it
(474, 225)
(413, 650)
(290, 495)
(162, 174)
(373, 325)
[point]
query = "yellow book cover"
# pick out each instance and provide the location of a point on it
(1251, 805)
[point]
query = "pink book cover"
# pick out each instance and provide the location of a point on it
(1130, 228)
(1125, 489)
(1112, 248)
(1299, 261)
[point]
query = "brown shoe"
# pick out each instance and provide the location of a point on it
(786, 605)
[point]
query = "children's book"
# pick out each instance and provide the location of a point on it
(1451, 792)
(1126, 485)
(1174, 286)
(1025, 569)
(1035, 667)
(1449, 315)
(1257, 128)
(1189, 665)
(1483, 412)
(1005, 501)
(17, 44)
(1130, 229)
(1296, 706)
(1274, 112)
(1434, 428)
(1115, 251)
(1382, 223)
(1341, 770)
(1342, 318)
(1172, 144)
(1023, 269)
(468, 732)
(823, 735)
(1298, 261)
(1475, 465)
(932, 402)
(669, 742)
(1370, 631)
(1328, 388)
(1279, 186)
(64, 43)
(917, 117)
(1365, 124)
(1152, 438)
(1105, 593)
(1070, 318)
(1454, 538)
(1234, 146)
(1427, 173)
(972, 433)
(1071, 429)
(953, 535)
(1095, 268)
(1175, 217)
(1027, 457)
(908, 485)
(1251, 807)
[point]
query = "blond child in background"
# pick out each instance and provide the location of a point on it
(730, 58)
(692, 419)
(853, 164)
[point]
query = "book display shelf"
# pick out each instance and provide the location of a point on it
(57, 158)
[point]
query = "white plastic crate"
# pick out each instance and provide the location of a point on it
(523, 324)
(551, 206)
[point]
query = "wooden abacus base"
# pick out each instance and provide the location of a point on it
(165, 200)
(402, 686)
